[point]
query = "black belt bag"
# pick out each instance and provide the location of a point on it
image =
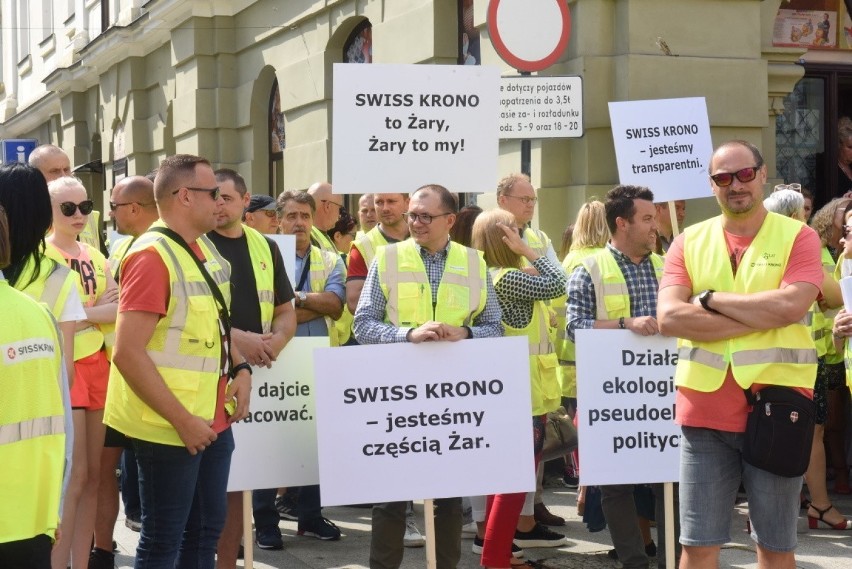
(780, 431)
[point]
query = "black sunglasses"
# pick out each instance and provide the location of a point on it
(725, 179)
(70, 208)
(214, 192)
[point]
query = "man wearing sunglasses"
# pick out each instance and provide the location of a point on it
(263, 322)
(399, 306)
(328, 206)
(169, 387)
(735, 290)
(262, 214)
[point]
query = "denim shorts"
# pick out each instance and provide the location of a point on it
(711, 469)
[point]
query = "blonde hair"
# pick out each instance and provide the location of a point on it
(488, 238)
(590, 228)
(60, 184)
(505, 185)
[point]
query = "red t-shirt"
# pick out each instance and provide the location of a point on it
(357, 267)
(145, 288)
(726, 409)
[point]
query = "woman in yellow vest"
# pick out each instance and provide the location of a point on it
(99, 292)
(32, 425)
(522, 294)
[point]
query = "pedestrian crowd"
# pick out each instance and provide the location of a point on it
(139, 361)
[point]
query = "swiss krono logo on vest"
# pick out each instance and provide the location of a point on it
(29, 349)
(766, 260)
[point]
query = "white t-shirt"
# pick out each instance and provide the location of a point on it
(73, 309)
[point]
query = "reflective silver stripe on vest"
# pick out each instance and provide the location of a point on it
(221, 276)
(31, 429)
(53, 287)
(819, 334)
(776, 356)
(602, 290)
(562, 334)
(266, 296)
(183, 361)
(474, 283)
(807, 319)
(702, 356)
(561, 311)
(391, 278)
(368, 249)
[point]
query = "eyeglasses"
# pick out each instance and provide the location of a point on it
(68, 209)
(794, 187)
(114, 206)
(725, 179)
(424, 218)
(339, 205)
(271, 212)
(526, 200)
(214, 192)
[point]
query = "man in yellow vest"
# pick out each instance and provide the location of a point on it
(735, 291)
(391, 228)
(326, 213)
(32, 424)
(401, 314)
(263, 322)
(616, 288)
(319, 303)
(366, 214)
(169, 388)
(516, 195)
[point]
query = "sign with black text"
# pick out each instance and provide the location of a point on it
(541, 107)
(398, 127)
(626, 428)
(420, 421)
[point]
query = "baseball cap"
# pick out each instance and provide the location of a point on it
(258, 203)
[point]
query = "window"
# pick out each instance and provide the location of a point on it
(359, 46)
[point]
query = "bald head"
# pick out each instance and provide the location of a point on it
(132, 205)
(51, 160)
(328, 205)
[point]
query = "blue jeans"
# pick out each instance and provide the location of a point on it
(183, 503)
(130, 484)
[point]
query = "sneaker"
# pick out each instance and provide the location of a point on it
(320, 528)
(269, 538)
(539, 536)
(287, 509)
(413, 537)
(544, 516)
(469, 530)
(476, 547)
(133, 523)
(101, 559)
(571, 482)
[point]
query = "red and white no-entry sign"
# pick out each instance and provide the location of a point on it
(530, 35)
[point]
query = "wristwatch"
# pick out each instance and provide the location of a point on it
(301, 297)
(704, 298)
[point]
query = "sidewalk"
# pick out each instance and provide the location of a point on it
(823, 549)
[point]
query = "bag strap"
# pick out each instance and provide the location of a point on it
(224, 316)
(749, 397)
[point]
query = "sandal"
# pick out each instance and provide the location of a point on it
(814, 521)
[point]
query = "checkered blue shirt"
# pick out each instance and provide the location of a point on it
(642, 289)
(370, 327)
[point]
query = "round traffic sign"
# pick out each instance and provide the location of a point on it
(530, 35)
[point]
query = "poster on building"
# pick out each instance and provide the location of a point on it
(663, 144)
(541, 107)
(276, 445)
(429, 420)
(626, 430)
(398, 127)
(807, 23)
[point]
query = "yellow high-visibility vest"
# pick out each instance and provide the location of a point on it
(611, 295)
(264, 274)
(405, 285)
(780, 356)
(52, 286)
(32, 418)
(545, 390)
(186, 345)
(321, 267)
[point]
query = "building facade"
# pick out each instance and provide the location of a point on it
(120, 84)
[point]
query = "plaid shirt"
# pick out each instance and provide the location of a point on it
(642, 289)
(370, 326)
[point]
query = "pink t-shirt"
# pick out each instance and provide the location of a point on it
(726, 409)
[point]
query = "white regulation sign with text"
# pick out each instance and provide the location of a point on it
(626, 426)
(276, 445)
(416, 421)
(541, 107)
(398, 127)
(663, 144)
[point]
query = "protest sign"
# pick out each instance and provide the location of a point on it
(430, 420)
(541, 107)
(663, 144)
(626, 429)
(398, 127)
(287, 246)
(276, 445)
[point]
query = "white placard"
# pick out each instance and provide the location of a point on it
(287, 245)
(626, 428)
(276, 445)
(541, 107)
(846, 292)
(432, 420)
(398, 127)
(663, 144)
